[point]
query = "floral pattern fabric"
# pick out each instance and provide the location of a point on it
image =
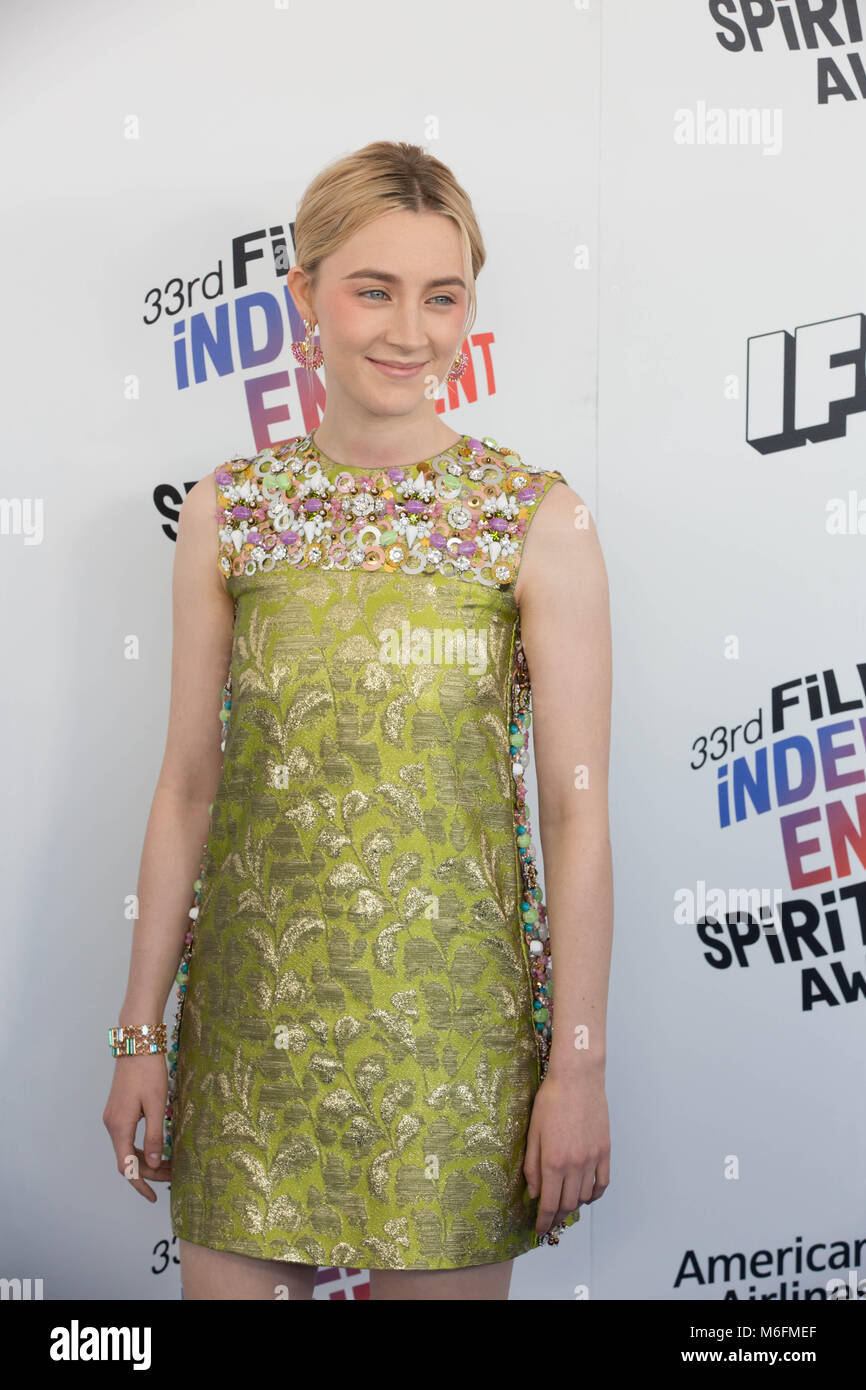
(366, 1016)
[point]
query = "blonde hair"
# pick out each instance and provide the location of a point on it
(381, 177)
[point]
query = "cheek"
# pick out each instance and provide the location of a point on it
(351, 324)
(449, 324)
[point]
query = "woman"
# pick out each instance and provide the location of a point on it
(367, 1073)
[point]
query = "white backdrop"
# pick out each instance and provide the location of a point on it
(633, 259)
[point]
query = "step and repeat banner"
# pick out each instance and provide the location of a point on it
(671, 315)
(732, 507)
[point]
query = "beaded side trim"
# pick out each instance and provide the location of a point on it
(532, 908)
(462, 513)
(183, 969)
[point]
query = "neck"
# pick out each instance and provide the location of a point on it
(357, 438)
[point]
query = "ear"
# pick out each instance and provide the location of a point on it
(298, 282)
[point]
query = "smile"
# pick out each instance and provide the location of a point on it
(392, 370)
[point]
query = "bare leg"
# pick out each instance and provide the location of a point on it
(475, 1282)
(221, 1274)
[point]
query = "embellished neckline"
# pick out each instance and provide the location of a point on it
(307, 445)
(462, 512)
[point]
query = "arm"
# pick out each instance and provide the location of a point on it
(177, 828)
(562, 595)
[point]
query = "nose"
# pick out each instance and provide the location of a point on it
(405, 330)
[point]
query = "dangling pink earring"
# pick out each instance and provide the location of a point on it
(309, 355)
(458, 366)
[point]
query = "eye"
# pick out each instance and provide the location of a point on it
(443, 298)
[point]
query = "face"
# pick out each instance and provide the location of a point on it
(393, 296)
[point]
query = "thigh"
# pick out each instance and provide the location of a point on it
(474, 1282)
(217, 1274)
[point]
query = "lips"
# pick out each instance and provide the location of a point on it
(398, 371)
(384, 362)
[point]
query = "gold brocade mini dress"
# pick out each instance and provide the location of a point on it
(365, 998)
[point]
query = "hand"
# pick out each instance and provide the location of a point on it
(139, 1087)
(568, 1145)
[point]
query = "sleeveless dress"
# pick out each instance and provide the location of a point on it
(365, 1001)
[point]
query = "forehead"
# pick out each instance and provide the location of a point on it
(408, 244)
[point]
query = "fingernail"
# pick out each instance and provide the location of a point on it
(154, 1158)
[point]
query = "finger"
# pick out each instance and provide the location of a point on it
(532, 1163)
(130, 1166)
(570, 1196)
(549, 1202)
(129, 1159)
(587, 1183)
(602, 1180)
(154, 1115)
(161, 1172)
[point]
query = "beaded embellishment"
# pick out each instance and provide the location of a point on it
(532, 908)
(464, 512)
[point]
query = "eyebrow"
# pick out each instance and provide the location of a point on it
(395, 279)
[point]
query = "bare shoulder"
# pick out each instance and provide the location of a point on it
(200, 504)
(198, 542)
(561, 548)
